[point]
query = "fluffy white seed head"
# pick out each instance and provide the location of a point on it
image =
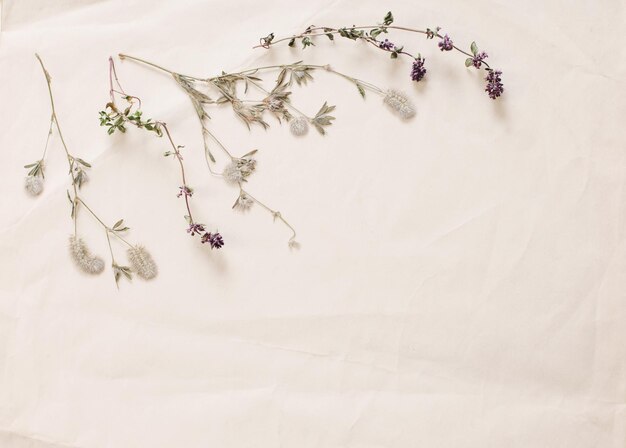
(142, 263)
(33, 185)
(232, 174)
(299, 126)
(399, 103)
(82, 257)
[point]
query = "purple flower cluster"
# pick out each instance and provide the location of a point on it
(494, 86)
(446, 44)
(186, 191)
(214, 239)
(418, 70)
(195, 229)
(386, 45)
(478, 59)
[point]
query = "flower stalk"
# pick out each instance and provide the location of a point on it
(370, 34)
(116, 120)
(79, 251)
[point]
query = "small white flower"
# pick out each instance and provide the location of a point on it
(232, 174)
(33, 185)
(399, 103)
(83, 258)
(299, 126)
(142, 262)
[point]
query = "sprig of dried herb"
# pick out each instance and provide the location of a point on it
(371, 35)
(83, 258)
(277, 101)
(238, 169)
(160, 128)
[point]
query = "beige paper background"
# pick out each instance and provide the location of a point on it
(461, 280)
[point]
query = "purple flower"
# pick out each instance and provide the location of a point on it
(478, 59)
(446, 44)
(386, 45)
(418, 71)
(494, 86)
(188, 192)
(195, 228)
(214, 239)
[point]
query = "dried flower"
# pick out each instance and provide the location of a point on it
(96, 265)
(33, 185)
(478, 59)
(82, 257)
(299, 126)
(239, 168)
(246, 165)
(195, 228)
(371, 34)
(142, 262)
(386, 45)
(232, 174)
(274, 104)
(399, 103)
(418, 70)
(185, 191)
(494, 86)
(80, 175)
(446, 44)
(244, 202)
(214, 239)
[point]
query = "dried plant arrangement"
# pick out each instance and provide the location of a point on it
(371, 34)
(237, 169)
(115, 118)
(254, 96)
(140, 260)
(234, 90)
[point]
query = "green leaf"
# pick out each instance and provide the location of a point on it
(82, 162)
(306, 42)
(117, 224)
(251, 153)
(361, 89)
(292, 43)
(468, 62)
(474, 48)
(388, 20)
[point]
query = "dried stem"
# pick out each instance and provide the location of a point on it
(206, 132)
(276, 214)
(71, 162)
(322, 31)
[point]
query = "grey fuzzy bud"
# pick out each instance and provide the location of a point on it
(232, 174)
(82, 257)
(299, 126)
(142, 263)
(33, 185)
(399, 103)
(96, 265)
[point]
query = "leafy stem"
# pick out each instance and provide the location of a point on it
(324, 31)
(55, 120)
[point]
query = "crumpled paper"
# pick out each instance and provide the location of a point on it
(460, 280)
